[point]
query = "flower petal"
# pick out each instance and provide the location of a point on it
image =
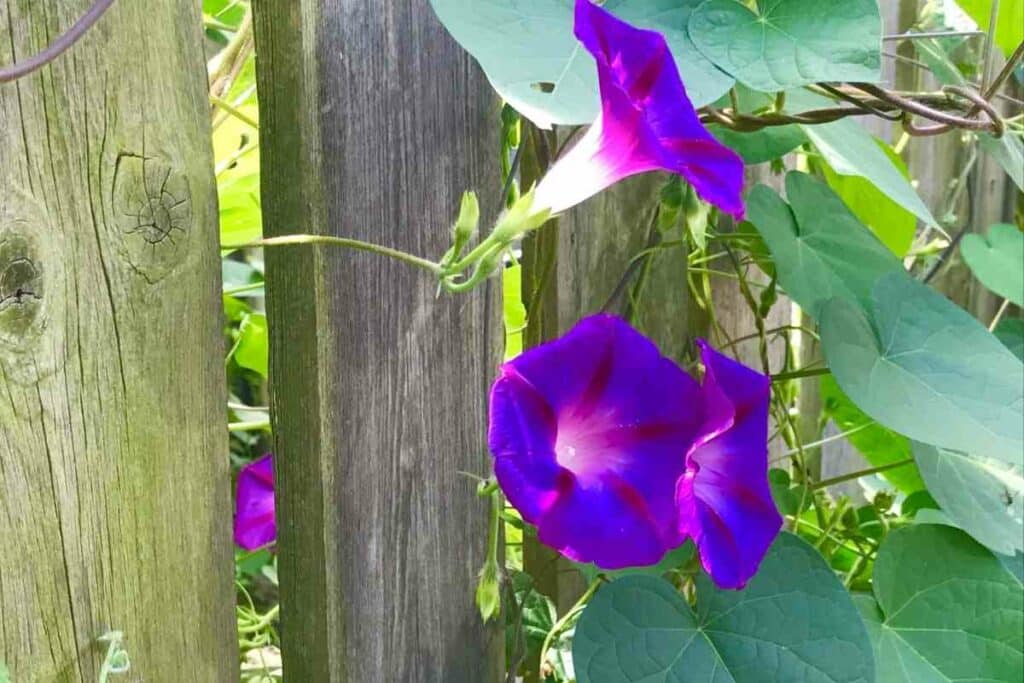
(610, 525)
(589, 434)
(724, 499)
(645, 108)
(255, 523)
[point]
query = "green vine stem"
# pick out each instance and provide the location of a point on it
(347, 242)
(116, 661)
(567, 619)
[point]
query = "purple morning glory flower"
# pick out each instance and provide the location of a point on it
(725, 503)
(646, 123)
(617, 455)
(255, 523)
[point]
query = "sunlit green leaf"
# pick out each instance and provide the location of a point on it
(851, 150)
(878, 445)
(251, 349)
(945, 609)
(890, 222)
(983, 497)
(1009, 20)
(920, 365)
(793, 622)
(997, 260)
(788, 43)
(529, 53)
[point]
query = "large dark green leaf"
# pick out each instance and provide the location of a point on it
(529, 53)
(878, 445)
(922, 366)
(945, 609)
(793, 622)
(1011, 333)
(997, 260)
(983, 497)
(820, 249)
(788, 43)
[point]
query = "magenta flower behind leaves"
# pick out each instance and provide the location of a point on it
(255, 522)
(617, 455)
(646, 123)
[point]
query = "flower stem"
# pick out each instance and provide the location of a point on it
(825, 483)
(347, 242)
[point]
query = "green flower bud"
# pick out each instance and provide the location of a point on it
(488, 592)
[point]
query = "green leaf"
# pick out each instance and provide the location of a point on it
(1011, 333)
(793, 622)
(878, 445)
(924, 367)
(537, 619)
(890, 222)
(944, 609)
(529, 53)
(820, 249)
(763, 145)
(1009, 20)
(983, 497)
(789, 43)
(998, 260)
(251, 348)
(851, 150)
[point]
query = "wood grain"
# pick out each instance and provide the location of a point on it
(373, 123)
(114, 479)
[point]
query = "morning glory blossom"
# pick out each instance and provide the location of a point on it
(617, 455)
(255, 522)
(646, 123)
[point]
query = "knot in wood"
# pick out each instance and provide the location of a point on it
(21, 287)
(153, 209)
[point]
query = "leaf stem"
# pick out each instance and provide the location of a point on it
(850, 476)
(800, 374)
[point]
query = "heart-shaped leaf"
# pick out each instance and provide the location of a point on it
(983, 497)
(920, 365)
(997, 260)
(820, 249)
(793, 622)
(529, 53)
(789, 43)
(945, 609)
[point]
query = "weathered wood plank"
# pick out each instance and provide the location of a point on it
(114, 480)
(373, 123)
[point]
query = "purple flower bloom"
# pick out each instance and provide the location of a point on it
(255, 523)
(646, 123)
(617, 455)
